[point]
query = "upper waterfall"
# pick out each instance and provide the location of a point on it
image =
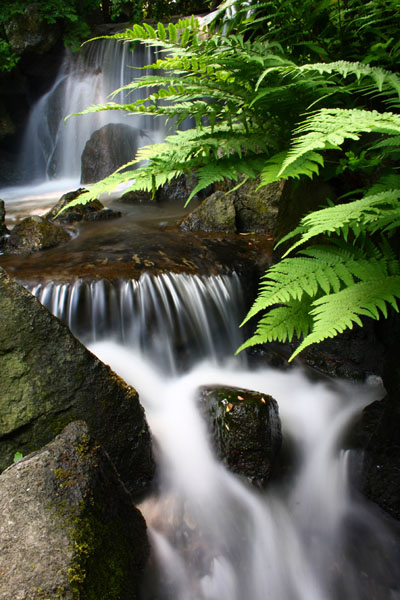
(52, 148)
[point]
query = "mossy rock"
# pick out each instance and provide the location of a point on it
(70, 530)
(48, 379)
(33, 234)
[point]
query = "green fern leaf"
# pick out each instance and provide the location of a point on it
(281, 324)
(334, 313)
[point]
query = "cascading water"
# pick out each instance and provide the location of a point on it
(309, 536)
(52, 149)
(50, 158)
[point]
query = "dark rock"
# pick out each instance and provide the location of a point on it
(215, 213)
(7, 126)
(245, 428)
(257, 209)
(298, 198)
(48, 379)
(107, 149)
(92, 211)
(33, 234)
(29, 32)
(178, 190)
(137, 197)
(3, 228)
(69, 528)
(379, 432)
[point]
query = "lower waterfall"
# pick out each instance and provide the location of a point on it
(309, 535)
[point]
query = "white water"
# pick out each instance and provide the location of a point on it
(215, 538)
(50, 157)
(309, 536)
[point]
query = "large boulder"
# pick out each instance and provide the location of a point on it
(107, 149)
(245, 430)
(69, 528)
(48, 379)
(33, 234)
(91, 211)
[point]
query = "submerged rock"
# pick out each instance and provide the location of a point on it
(33, 234)
(92, 211)
(48, 379)
(246, 430)
(69, 528)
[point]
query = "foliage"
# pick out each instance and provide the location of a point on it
(282, 73)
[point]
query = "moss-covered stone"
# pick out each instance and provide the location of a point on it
(215, 213)
(71, 531)
(48, 379)
(33, 234)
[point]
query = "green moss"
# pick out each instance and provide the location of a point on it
(101, 558)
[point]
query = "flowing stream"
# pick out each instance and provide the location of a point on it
(309, 535)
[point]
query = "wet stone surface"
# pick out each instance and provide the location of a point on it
(143, 239)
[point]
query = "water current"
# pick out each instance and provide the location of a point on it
(309, 535)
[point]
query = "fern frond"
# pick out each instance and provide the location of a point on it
(319, 270)
(382, 78)
(334, 313)
(371, 213)
(280, 324)
(327, 129)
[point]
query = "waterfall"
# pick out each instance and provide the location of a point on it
(51, 148)
(308, 536)
(169, 318)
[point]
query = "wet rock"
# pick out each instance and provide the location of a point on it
(178, 190)
(298, 198)
(107, 149)
(92, 211)
(137, 197)
(246, 430)
(215, 213)
(33, 234)
(379, 432)
(69, 528)
(48, 379)
(28, 32)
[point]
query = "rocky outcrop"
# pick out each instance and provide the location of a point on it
(215, 213)
(48, 379)
(245, 429)
(33, 234)
(69, 528)
(92, 211)
(107, 149)
(239, 211)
